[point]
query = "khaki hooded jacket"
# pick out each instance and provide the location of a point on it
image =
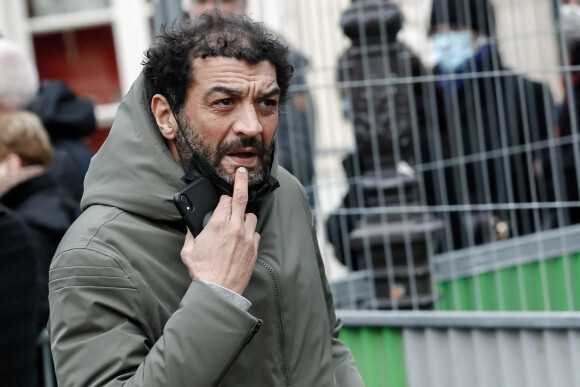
(125, 312)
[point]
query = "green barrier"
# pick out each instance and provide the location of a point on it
(378, 353)
(548, 285)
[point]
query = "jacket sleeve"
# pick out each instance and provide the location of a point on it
(101, 335)
(345, 371)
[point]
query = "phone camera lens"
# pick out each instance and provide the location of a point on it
(183, 199)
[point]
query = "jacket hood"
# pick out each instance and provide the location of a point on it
(63, 114)
(134, 169)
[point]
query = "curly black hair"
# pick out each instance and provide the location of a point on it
(169, 60)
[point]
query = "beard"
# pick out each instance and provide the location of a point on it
(189, 144)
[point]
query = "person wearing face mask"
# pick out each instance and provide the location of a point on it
(569, 111)
(492, 115)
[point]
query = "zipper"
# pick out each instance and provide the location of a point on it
(255, 328)
(281, 340)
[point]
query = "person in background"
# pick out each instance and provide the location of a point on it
(18, 77)
(30, 192)
(18, 330)
(489, 121)
(135, 298)
(67, 118)
(296, 127)
(569, 112)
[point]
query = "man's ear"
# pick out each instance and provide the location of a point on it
(164, 116)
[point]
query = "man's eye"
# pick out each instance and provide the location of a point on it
(268, 103)
(224, 102)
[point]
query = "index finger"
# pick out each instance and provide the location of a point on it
(240, 195)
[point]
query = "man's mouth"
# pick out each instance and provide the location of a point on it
(243, 157)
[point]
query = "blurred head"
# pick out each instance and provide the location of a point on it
(456, 27)
(233, 6)
(462, 15)
(23, 142)
(570, 19)
(18, 77)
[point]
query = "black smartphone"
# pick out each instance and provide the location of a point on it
(196, 203)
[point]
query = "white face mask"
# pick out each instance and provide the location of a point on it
(451, 49)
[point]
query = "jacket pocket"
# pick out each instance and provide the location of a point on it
(255, 328)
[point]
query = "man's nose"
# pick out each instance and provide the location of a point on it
(247, 122)
(205, 6)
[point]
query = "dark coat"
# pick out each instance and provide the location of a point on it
(490, 143)
(568, 125)
(47, 210)
(68, 119)
(17, 303)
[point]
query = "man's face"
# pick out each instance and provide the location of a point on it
(232, 6)
(230, 116)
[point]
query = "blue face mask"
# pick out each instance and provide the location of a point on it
(452, 49)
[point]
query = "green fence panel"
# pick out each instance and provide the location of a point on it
(379, 355)
(534, 287)
(510, 283)
(467, 294)
(574, 277)
(550, 285)
(556, 286)
(493, 297)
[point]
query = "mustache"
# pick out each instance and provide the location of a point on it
(247, 142)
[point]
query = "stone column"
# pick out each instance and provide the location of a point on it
(380, 99)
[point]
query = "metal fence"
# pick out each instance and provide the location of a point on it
(431, 349)
(445, 146)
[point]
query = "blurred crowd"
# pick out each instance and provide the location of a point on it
(465, 114)
(493, 154)
(43, 160)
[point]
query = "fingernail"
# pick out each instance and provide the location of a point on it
(242, 169)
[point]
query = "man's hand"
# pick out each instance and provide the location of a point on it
(225, 252)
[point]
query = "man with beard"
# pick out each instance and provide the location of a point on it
(295, 140)
(135, 300)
